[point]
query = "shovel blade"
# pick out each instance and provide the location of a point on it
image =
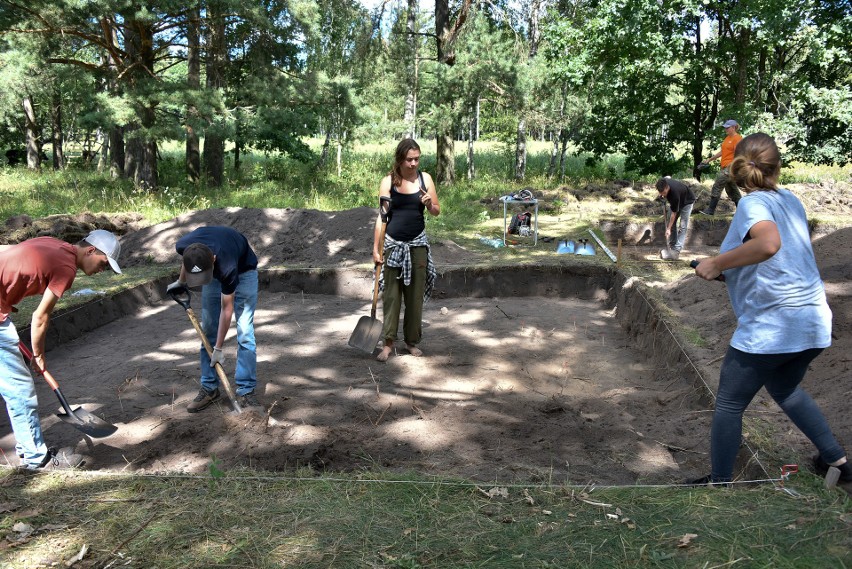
(366, 334)
(90, 424)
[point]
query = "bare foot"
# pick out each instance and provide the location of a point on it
(414, 350)
(385, 354)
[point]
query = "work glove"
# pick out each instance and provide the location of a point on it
(218, 357)
(176, 287)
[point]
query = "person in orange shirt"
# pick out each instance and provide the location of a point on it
(724, 180)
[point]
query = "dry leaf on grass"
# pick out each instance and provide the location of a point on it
(686, 539)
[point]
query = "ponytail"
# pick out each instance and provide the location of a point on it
(757, 163)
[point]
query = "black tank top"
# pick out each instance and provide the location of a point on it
(406, 215)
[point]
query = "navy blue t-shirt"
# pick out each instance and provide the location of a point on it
(233, 253)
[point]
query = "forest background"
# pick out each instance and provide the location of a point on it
(114, 81)
(189, 105)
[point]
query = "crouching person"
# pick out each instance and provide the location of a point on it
(220, 260)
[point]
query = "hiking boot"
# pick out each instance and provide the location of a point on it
(248, 400)
(845, 469)
(203, 400)
(707, 481)
(711, 207)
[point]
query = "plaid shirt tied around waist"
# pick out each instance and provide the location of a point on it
(398, 256)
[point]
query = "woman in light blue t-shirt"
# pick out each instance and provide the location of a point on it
(783, 319)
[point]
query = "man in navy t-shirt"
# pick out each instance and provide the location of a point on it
(220, 260)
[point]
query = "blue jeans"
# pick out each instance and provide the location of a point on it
(742, 376)
(18, 389)
(245, 303)
(683, 225)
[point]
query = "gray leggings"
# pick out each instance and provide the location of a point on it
(742, 376)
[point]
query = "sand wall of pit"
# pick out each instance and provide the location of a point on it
(638, 311)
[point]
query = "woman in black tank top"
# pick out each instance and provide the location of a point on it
(401, 247)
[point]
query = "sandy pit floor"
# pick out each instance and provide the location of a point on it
(509, 389)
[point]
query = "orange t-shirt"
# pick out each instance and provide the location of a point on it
(728, 147)
(31, 267)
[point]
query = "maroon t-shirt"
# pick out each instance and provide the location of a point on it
(31, 267)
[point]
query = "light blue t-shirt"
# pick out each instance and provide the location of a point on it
(780, 303)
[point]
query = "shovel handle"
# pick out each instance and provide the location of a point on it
(694, 263)
(378, 267)
(181, 296)
(47, 375)
(223, 379)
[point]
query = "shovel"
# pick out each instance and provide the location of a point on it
(223, 379)
(369, 329)
(565, 247)
(666, 254)
(79, 418)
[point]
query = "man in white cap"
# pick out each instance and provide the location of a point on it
(44, 267)
(220, 260)
(724, 180)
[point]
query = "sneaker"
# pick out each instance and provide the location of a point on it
(248, 400)
(822, 467)
(58, 459)
(203, 400)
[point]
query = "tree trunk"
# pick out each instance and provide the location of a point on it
(446, 171)
(554, 153)
(741, 61)
(562, 156)
(116, 152)
(471, 129)
(477, 120)
(140, 159)
(411, 99)
(214, 140)
(697, 107)
(103, 155)
(33, 158)
(445, 38)
(521, 150)
(193, 81)
(340, 155)
(325, 146)
(115, 136)
(56, 133)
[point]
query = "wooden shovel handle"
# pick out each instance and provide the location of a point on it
(223, 379)
(379, 267)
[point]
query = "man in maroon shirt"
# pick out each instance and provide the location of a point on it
(44, 267)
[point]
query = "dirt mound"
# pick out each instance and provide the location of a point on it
(281, 237)
(69, 228)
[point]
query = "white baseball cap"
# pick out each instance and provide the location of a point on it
(107, 243)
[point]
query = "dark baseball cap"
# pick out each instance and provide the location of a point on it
(198, 264)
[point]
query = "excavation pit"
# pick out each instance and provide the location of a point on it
(529, 375)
